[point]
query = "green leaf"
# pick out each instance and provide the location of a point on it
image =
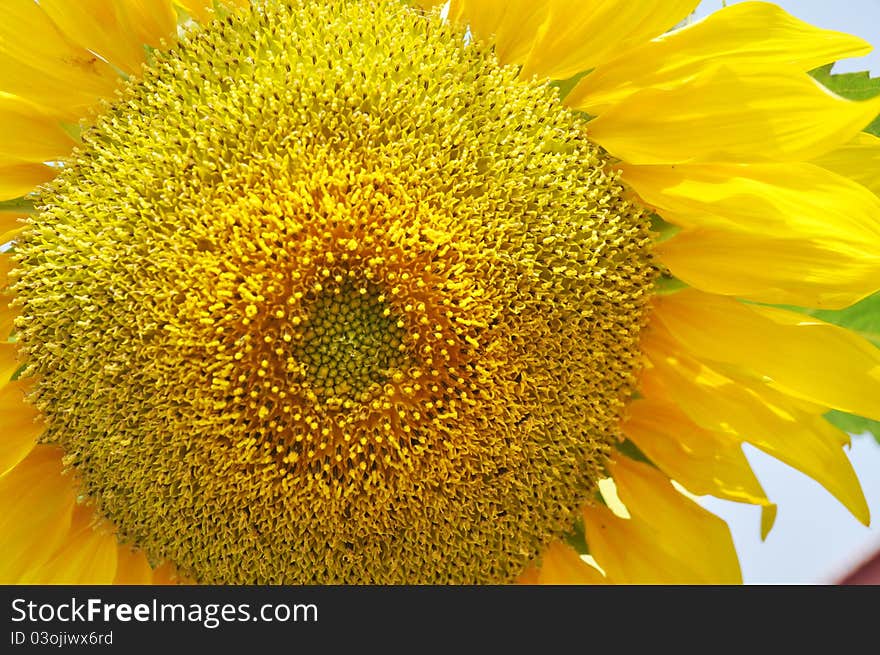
(853, 86)
(854, 424)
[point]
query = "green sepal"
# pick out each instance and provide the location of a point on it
(577, 538)
(853, 424)
(16, 205)
(564, 87)
(662, 229)
(632, 451)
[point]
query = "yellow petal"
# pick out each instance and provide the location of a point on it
(17, 180)
(10, 220)
(148, 21)
(768, 518)
(529, 576)
(9, 362)
(10, 225)
(200, 10)
(728, 115)
(38, 63)
(580, 35)
(28, 136)
(669, 539)
(57, 96)
(7, 317)
(561, 565)
(755, 413)
(6, 237)
(790, 233)
(132, 567)
(858, 160)
(785, 271)
(20, 424)
(513, 25)
(36, 505)
(802, 356)
(753, 34)
(6, 265)
(88, 556)
(774, 199)
(704, 462)
(95, 25)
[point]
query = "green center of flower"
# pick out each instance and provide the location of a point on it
(351, 341)
(330, 296)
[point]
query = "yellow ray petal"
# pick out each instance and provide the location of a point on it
(6, 237)
(702, 461)
(55, 96)
(529, 576)
(858, 160)
(760, 416)
(28, 136)
(7, 317)
(785, 271)
(728, 115)
(88, 556)
(6, 265)
(803, 356)
(768, 518)
(200, 10)
(20, 424)
(580, 35)
(95, 25)
(514, 25)
(132, 567)
(148, 21)
(10, 220)
(17, 180)
(36, 505)
(669, 539)
(785, 200)
(753, 34)
(9, 362)
(38, 63)
(561, 565)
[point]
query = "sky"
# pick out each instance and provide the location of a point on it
(815, 540)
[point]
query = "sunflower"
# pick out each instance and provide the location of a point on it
(374, 292)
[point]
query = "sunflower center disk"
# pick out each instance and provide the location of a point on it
(330, 296)
(351, 343)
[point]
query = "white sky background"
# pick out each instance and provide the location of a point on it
(815, 539)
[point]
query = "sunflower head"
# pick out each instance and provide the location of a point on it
(331, 314)
(353, 292)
